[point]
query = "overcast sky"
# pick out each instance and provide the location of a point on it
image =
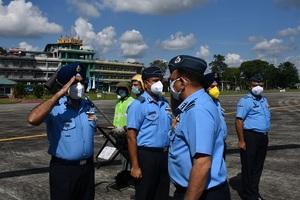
(145, 30)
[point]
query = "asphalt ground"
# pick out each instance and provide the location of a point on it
(24, 159)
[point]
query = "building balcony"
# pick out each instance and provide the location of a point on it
(113, 71)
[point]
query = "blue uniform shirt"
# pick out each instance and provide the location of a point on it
(151, 119)
(223, 123)
(198, 130)
(70, 132)
(254, 112)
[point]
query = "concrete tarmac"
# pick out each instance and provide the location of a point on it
(24, 159)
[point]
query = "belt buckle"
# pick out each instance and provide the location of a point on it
(82, 162)
(165, 149)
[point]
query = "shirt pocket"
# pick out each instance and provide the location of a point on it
(69, 131)
(152, 118)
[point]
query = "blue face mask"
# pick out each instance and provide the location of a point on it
(135, 90)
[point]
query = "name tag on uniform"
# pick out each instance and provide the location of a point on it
(152, 115)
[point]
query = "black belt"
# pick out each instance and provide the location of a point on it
(180, 189)
(154, 149)
(256, 132)
(89, 160)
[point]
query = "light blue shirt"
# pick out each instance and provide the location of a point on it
(151, 119)
(222, 118)
(198, 131)
(255, 113)
(70, 132)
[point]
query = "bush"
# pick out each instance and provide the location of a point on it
(19, 90)
(38, 91)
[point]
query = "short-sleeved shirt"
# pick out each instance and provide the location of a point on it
(222, 118)
(151, 119)
(70, 132)
(255, 113)
(197, 131)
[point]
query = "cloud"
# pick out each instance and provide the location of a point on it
(203, 52)
(255, 39)
(23, 19)
(132, 44)
(273, 48)
(295, 4)
(233, 59)
(289, 32)
(157, 7)
(86, 8)
(102, 41)
(130, 60)
(178, 41)
(28, 47)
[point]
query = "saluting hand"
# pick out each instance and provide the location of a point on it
(66, 87)
(136, 173)
(242, 145)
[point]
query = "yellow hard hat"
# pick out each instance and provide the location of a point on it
(138, 77)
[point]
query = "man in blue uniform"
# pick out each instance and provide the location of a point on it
(211, 87)
(149, 120)
(252, 126)
(196, 164)
(70, 122)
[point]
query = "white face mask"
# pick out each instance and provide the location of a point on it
(76, 91)
(257, 90)
(157, 88)
(174, 93)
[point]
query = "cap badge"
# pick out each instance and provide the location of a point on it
(177, 60)
(78, 68)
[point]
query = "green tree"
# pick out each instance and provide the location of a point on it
(19, 90)
(252, 67)
(271, 76)
(2, 51)
(38, 91)
(161, 64)
(218, 64)
(231, 75)
(288, 75)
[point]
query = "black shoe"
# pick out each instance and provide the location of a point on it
(260, 198)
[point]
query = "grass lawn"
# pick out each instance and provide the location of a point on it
(112, 96)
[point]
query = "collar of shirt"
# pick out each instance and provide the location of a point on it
(254, 97)
(67, 102)
(150, 99)
(186, 102)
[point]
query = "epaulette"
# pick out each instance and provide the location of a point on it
(177, 112)
(89, 102)
(141, 99)
(190, 105)
(246, 97)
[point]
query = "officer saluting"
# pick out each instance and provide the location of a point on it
(252, 126)
(70, 122)
(196, 164)
(149, 121)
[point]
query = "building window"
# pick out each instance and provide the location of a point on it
(7, 90)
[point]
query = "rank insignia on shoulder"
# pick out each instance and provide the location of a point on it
(182, 106)
(190, 105)
(141, 99)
